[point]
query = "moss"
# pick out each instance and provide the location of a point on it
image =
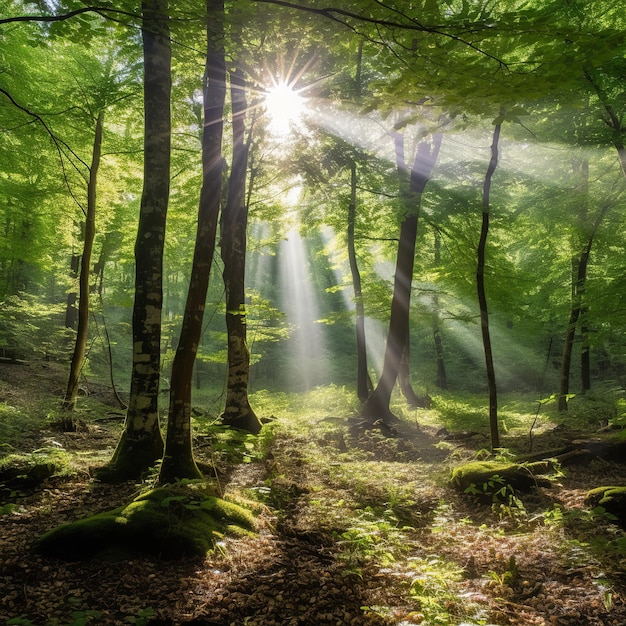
(519, 476)
(168, 522)
(134, 456)
(612, 499)
(26, 471)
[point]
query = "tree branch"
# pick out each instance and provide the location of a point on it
(59, 144)
(66, 16)
(335, 14)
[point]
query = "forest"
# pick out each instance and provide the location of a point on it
(312, 312)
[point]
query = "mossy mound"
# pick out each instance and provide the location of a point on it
(520, 476)
(612, 499)
(168, 522)
(27, 471)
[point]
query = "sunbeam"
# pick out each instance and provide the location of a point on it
(299, 302)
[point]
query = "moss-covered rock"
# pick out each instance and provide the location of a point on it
(167, 522)
(521, 477)
(612, 499)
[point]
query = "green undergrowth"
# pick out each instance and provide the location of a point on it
(173, 521)
(16, 423)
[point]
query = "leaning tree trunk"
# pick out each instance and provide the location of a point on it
(82, 332)
(377, 405)
(482, 297)
(363, 382)
(141, 443)
(178, 461)
(234, 223)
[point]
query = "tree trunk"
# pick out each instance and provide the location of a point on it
(404, 376)
(377, 405)
(178, 461)
(585, 354)
(80, 346)
(579, 277)
(71, 314)
(363, 382)
(482, 298)
(141, 443)
(234, 223)
(442, 377)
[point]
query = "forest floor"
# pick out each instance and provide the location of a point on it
(354, 527)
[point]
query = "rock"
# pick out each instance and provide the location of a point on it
(612, 499)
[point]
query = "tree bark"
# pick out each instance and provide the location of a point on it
(579, 279)
(141, 443)
(71, 314)
(442, 377)
(377, 405)
(82, 332)
(482, 298)
(363, 382)
(178, 461)
(234, 223)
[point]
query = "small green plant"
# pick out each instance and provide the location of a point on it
(509, 577)
(503, 497)
(142, 618)
(374, 537)
(433, 588)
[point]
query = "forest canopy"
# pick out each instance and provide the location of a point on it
(354, 173)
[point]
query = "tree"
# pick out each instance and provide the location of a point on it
(364, 385)
(80, 347)
(141, 443)
(178, 461)
(480, 286)
(234, 223)
(377, 405)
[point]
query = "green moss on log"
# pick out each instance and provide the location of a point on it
(26, 471)
(612, 499)
(521, 477)
(168, 522)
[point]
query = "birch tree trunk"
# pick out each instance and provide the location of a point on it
(237, 411)
(141, 443)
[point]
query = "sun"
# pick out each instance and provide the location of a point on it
(284, 106)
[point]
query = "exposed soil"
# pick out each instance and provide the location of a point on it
(296, 570)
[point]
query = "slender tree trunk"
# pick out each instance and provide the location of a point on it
(377, 405)
(404, 379)
(442, 377)
(363, 383)
(585, 354)
(178, 461)
(141, 443)
(482, 298)
(579, 279)
(71, 314)
(80, 346)
(234, 223)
